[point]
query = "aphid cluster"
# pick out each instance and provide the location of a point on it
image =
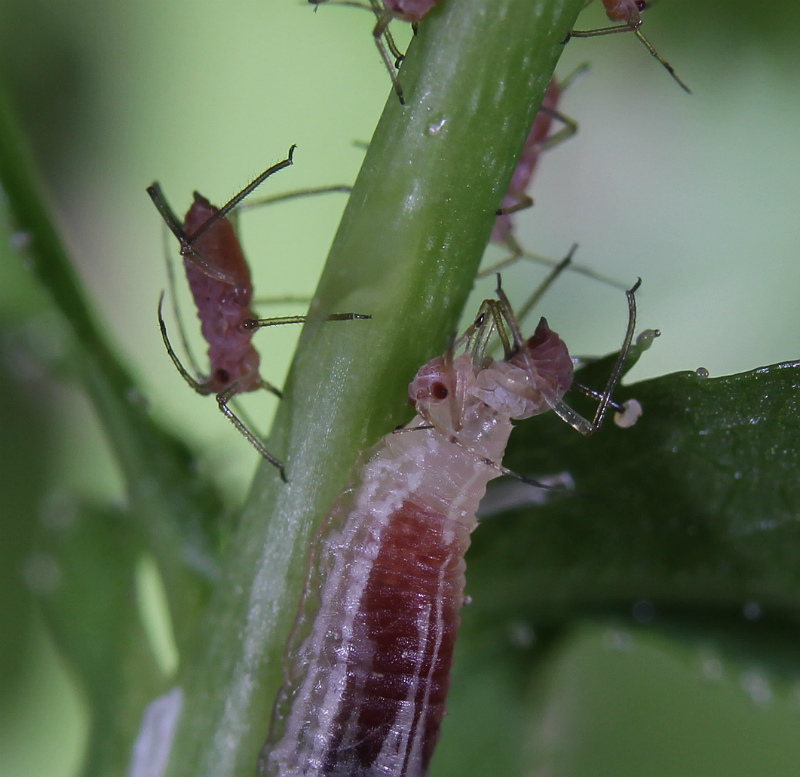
(369, 670)
(368, 663)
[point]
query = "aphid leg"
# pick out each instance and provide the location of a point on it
(577, 421)
(222, 400)
(172, 284)
(379, 33)
(634, 28)
(295, 193)
(524, 201)
(431, 423)
(380, 11)
(198, 386)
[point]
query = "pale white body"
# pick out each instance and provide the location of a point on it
(366, 688)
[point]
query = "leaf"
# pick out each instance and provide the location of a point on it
(696, 506)
(84, 575)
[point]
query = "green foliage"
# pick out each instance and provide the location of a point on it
(692, 512)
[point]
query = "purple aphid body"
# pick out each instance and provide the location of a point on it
(409, 10)
(625, 11)
(222, 308)
(526, 166)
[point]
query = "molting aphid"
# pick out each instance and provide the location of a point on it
(368, 663)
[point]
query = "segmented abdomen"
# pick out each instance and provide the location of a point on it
(379, 656)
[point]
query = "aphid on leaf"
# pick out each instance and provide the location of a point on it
(219, 279)
(368, 663)
(629, 13)
(413, 11)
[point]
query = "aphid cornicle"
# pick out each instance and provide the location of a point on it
(629, 12)
(367, 672)
(219, 279)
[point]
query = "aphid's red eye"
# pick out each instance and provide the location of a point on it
(222, 375)
(439, 391)
(641, 4)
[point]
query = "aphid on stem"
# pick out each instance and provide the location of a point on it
(368, 663)
(540, 139)
(219, 279)
(629, 13)
(413, 11)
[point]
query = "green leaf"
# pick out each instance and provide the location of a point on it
(84, 574)
(695, 506)
(177, 513)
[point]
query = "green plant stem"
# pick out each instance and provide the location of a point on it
(406, 252)
(169, 508)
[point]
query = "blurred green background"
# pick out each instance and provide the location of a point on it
(697, 195)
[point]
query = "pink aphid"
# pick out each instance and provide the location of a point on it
(409, 10)
(368, 673)
(537, 141)
(219, 279)
(540, 138)
(226, 320)
(629, 12)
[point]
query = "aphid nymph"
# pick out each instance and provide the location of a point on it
(368, 665)
(219, 279)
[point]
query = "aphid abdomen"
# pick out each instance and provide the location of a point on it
(379, 656)
(221, 307)
(399, 662)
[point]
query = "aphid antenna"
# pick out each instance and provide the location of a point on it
(575, 419)
(188, 242)
(234, 201)
(187, 251)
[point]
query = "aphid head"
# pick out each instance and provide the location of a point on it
(434, 383)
